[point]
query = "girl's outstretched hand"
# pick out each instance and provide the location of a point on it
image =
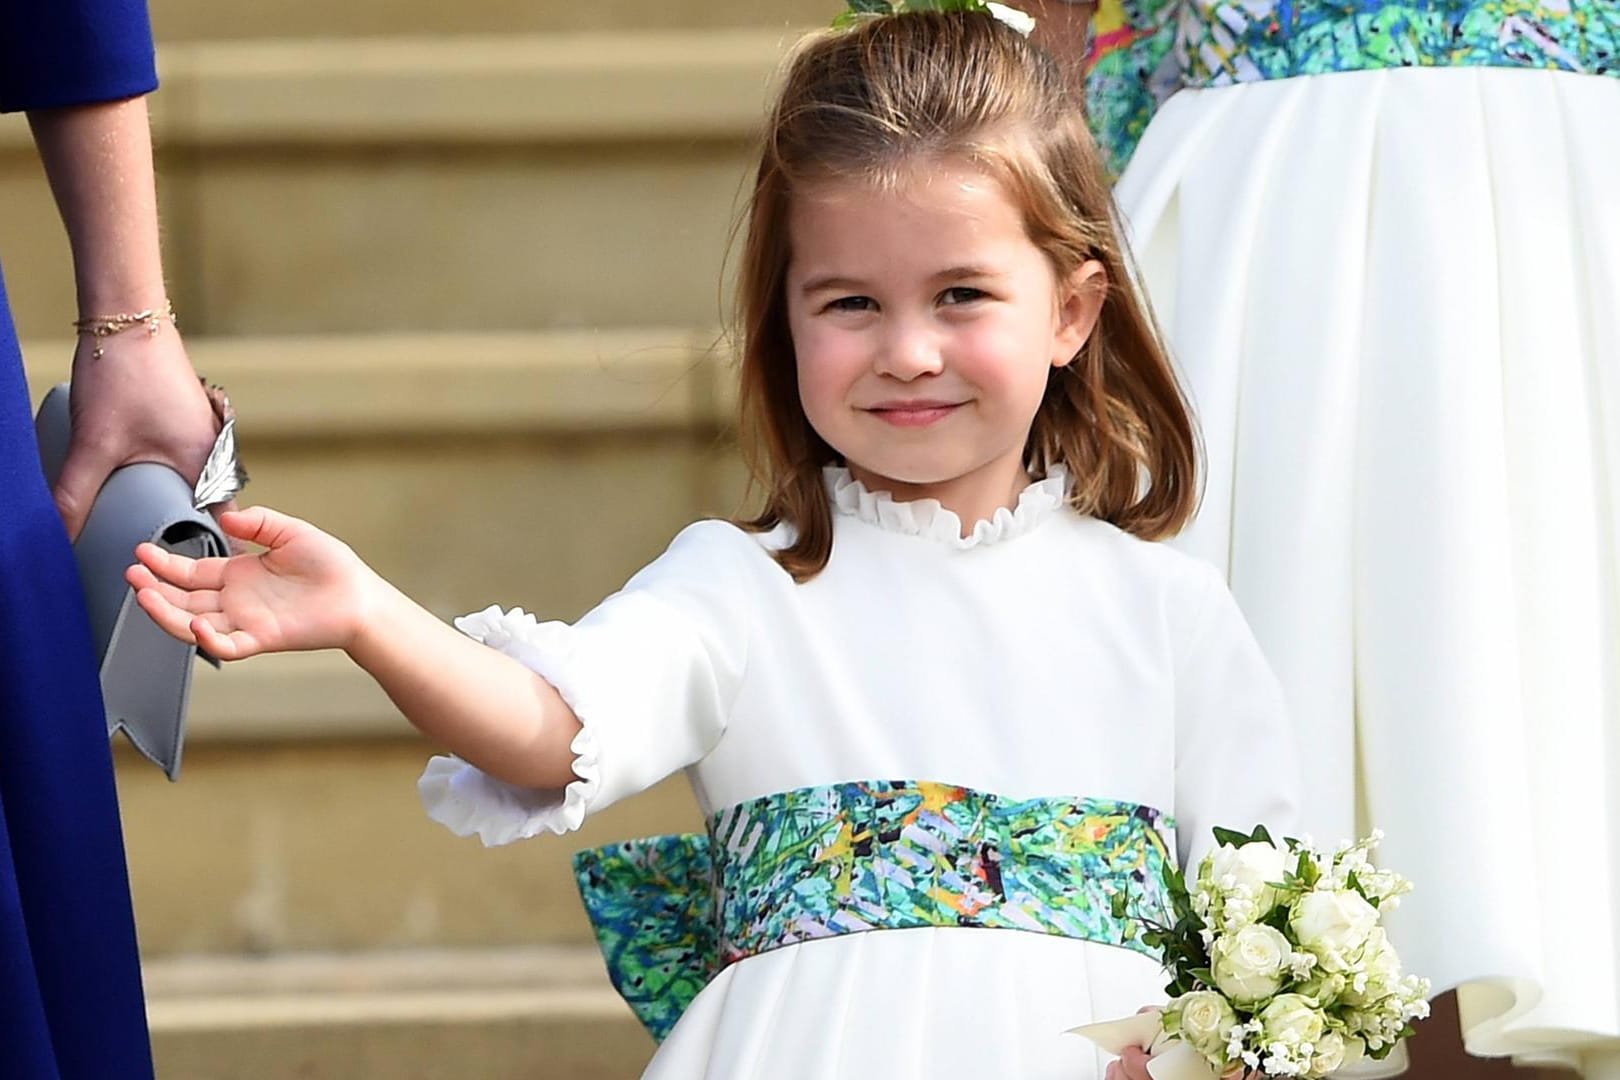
(308, 590)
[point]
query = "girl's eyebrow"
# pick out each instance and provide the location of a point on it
(956, 273)
(847, 284)
(831, 281)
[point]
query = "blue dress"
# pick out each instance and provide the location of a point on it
(71, 1005)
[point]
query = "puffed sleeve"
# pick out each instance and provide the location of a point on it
(1131, 69)
(1236, 761)
(72, 52)
(651, 673)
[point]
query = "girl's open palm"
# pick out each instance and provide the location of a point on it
(308, 590)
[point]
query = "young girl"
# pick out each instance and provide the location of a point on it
(944, 697)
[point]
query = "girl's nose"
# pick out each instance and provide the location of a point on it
(907, 353)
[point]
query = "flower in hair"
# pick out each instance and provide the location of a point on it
(870, 9)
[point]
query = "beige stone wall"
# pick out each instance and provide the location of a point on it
(190, 20)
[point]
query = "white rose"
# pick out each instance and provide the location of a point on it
(1330, 1053)
(1204, 1019)
(1291, 1019)
(1247, 871)
(1248, 965)
(1379, 973)
(1332, 925)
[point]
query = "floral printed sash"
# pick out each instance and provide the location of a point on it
(672, 911)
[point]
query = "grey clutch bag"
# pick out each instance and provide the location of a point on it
(145, 673)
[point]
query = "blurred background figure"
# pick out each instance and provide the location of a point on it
(1383, 241)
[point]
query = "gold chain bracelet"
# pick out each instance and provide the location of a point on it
(105, 326)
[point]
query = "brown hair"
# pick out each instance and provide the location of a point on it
(869, 102)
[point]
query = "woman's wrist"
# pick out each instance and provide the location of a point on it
(107, 324)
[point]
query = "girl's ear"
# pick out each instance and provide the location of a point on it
(1080, 298)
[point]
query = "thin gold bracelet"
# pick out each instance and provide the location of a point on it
(105, 326)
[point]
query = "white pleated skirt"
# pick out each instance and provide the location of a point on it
(915, 1004)
(1395, 296)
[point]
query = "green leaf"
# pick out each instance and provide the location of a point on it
(1308, 872)
(1261, 835)
(1230, 836)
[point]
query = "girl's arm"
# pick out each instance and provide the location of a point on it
(479, 703)
(141, 400)
(309, 590)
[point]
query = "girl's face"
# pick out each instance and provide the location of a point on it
(925, 323)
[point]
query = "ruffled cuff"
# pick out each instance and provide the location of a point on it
(464, 798)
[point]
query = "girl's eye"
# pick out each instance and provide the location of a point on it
(853, 303)
(962, 294)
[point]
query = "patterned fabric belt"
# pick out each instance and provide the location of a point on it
(1142, 51)
(672, 911)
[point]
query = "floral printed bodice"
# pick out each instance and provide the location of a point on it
(1142, 51)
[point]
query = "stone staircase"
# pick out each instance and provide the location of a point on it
(462, 270)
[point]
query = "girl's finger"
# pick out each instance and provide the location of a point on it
(260, 525)
(180, 570)
(171, 619)
(223, 645)
(198, 601)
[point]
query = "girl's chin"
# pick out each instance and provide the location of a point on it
(903, 475)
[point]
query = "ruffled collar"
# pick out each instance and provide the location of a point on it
(928, 518)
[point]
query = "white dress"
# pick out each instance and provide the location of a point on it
(1045, 654)
(1396, 298)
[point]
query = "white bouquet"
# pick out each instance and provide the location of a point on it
(1278, 965)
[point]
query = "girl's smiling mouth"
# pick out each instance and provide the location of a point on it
(919, 412)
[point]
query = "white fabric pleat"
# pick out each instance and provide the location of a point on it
(878, 1004)
(1395, 296)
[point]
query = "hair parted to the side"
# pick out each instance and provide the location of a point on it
(872, 104)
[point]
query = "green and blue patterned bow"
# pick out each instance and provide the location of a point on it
(869, 9)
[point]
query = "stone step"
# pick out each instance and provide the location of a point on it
(320, 843)
(427, 1013)
(486, 183)
(191, 20)
(537, 470)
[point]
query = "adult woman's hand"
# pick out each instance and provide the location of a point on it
(139, 401)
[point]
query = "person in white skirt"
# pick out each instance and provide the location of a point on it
(1383, 242)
